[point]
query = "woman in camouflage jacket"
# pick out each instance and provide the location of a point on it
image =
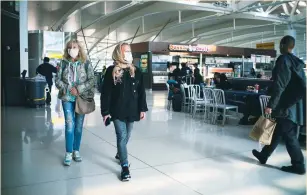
(75, 78)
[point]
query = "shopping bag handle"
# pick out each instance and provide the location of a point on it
(269, 116)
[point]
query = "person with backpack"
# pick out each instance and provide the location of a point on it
(46, 69)
(123, 101)
(75, 78)
(287, 93)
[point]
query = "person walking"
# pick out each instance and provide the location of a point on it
(287, 93)
(75, 78)
(123, 100)
(47, 70)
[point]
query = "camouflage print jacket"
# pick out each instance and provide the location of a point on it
(75, 74)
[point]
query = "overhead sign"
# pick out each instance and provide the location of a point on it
(53, 41)
(190, 48)
(269, 45)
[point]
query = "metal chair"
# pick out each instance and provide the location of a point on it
(197, 103)
(220, 103)
(169, 102)
(185, 97)
(209, 103)
(193, 90)
(264, 100)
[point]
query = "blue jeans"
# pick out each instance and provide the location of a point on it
(123, 132)
(73, 127)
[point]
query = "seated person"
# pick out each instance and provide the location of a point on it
(198, 79)
(252, 73)
(222, 82)
(216, 75)
(174, 88)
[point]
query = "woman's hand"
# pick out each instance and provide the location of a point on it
(106, 117)
(74, 91)
(142, 115)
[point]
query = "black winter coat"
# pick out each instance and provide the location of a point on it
(288, 89)
(126, 100)
(46, 70)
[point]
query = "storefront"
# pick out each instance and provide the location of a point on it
(152, 58)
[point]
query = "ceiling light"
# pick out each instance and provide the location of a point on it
(298, 11)
(291, 4)
(302, 3)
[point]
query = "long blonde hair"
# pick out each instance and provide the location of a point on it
(120, 63)
(81, 56)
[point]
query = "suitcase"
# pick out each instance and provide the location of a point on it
(35, 93)
(177, 103)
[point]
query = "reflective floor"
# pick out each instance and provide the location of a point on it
(170, 154)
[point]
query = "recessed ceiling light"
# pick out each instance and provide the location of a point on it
(298, 11)
(291, 4)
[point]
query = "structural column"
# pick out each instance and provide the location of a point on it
(23, 35)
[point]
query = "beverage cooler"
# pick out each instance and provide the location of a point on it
(159, 71)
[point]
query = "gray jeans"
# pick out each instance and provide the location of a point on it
(123, 132)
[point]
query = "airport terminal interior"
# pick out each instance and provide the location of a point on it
(186, 144)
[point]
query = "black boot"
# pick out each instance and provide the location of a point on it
(260, 158)
(300, 170)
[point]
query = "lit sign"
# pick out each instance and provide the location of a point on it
(190, 48)
(270, 45)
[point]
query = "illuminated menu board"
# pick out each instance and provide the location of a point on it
(144, 63)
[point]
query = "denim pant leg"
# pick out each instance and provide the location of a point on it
(122, 135)
(69, 114)
(79, 119)
(129, 127)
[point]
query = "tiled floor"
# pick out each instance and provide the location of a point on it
(170, 153)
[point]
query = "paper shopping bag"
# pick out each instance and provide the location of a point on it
(263, 130)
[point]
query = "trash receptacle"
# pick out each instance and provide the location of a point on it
(35, 92)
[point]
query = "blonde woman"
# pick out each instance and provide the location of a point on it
(75, 77)
(123, 100)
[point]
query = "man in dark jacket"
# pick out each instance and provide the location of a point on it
(287, 93)
(185, 70)
(176, 71)
(46, 70)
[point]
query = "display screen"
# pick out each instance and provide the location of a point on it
(159, 66)
(144, 63)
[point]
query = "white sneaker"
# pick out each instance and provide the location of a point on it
(68, 158)
(76, 156)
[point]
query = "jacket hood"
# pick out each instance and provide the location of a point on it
(297, 63)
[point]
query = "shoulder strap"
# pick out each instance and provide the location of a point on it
(86, 66)
(63, 65)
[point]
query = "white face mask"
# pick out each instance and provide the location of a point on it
(73, 52)
(128, 57)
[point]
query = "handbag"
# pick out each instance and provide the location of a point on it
(263, 130)
(84, 106)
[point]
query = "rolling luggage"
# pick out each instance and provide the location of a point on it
(35, 92)
(177, 102)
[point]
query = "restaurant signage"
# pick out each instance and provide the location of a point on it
(189, 48)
